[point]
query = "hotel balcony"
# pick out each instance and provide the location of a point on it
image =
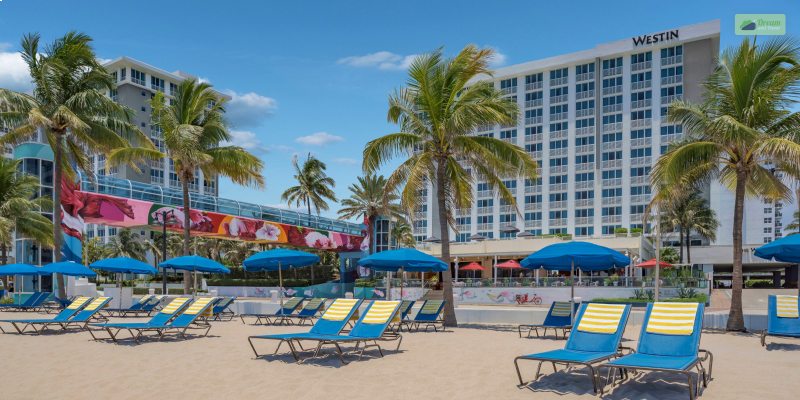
(534, 138)
(611, 164)
(462, 212)
(584, 77)
(533, 103)
(615, 145)
(562, 134)
(586, 94)
(641, 142)
(612, 219)
(581, 203)
(585, 131)
(533, 224)
(586, 112)
(584, 185)
(533, 206)
(464, 228)
(586, 148)
(614, 108)
(612, 71)
(612, 182)
(560, 222)
(558, 152)
(641, 85)
(558, 117)
(533, 121)
(671, 60)
(640, 180)
(485, 194)
(641, 66)
(486, 227)
(558, 204)
(485, 210)
(641, 103)
(667, 139)
(584, 220)
(507, 209)
(640, 199)
(559, 81)
(584, 167)
(557, 187)
(671, 80)
(665, 100)
(559, 169)
(529, 87)
(533, 189)
(641, 123)
(612, 201)
(509, 90)
(562, 98)
(641, 161)
(615, 127)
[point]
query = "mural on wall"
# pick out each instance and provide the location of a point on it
(79, 208)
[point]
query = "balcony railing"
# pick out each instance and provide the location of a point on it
(562, 98)
(533, 103)
(584, 94)
(558, 169)
(640, 198)
(538, 137)
(612, 182)
(533, 224)
(671, 60)
(615, 145)
(615, 127)
(562, 134)
(665, 100)
(612, 71)
(584, 203)
(640, 180)
(529, 87)
(533, 189)
(640, 66)
(559, 81)
(583, 167)
(641, 123)
(557, 187)
(584, 220)
(485, 194)
(585, 131)
(641, 103)
(612, 219)
(611, 201)
(586, 148)
(584, 185)
(556, 223)
(533, 206)
(533, 120)
(584, 77)
(485, 210)
(641, 85)
(614, 108)
(586, 112)
(485, 227)
(558, 117)
(558, 152)
(671, 80)
(641, 161)
(641, 142)
(509, 90)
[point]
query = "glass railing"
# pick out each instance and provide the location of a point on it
(602, 281)
(174, 197)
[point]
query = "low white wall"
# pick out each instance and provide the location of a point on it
(243, 291)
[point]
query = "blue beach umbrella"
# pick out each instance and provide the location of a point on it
(123, 265)
(785, 249)
(570, 255)
(276, 259)
(68, 268)
(195, 264)
(411, 260)
(20, 269)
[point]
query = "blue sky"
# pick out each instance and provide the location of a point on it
(313, 76)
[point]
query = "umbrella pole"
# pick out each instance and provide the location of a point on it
(388, 285)
(280, 284)
(572, 291)
(402, 276)
(119, 289)
(195, 283)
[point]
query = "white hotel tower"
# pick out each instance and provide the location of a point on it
(595, 123)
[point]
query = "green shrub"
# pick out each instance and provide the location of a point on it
(759, 283)
(621, 230)
(6, 300)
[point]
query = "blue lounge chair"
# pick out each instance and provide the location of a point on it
(559, 318)
(222, 309)
(160, 319)
(783, 318)
(280, 316)
(370, 328)
(133, 308)
(402, 315)
(33, 303)
(310, 310)
(596, 338)
(332, 322)
(27, 303)
(87, 314)
(669, 342)
(61, 317)
(429, 315)
(193, 317)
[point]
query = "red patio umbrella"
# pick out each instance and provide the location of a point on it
(473, 266)
(510, 264)
(652, 263)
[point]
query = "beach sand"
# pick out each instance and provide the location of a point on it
(465, 363)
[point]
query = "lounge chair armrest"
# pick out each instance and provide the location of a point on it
(624, 349)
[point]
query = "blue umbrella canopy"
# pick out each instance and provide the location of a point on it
(581, 255)
(272, 260)
(411, 260)
(69, 268)
(124, 265)
(20, 269)
(196, 264)
(785, 249)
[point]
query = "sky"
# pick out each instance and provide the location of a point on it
(314, 76)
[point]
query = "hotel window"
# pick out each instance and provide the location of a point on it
(559, 91)
(584, 231)
(138, 77)
(612, 174)
(510, 184)
(768, 211)
(584, 141)
(558, 214)
(640, 171)
(559, 126)
(533, 182)
(584, 105)
(508, 218)
(641, 96)
(559, 144)
(584, 195)
(641, 133)
(612, 100)
(485, 219)
(533, 199)
(534, 113)
(612, 137)
(638, 209)
(156, 83)
(767, 220)
(612, 82)
(485, 203)
(558, 231)
(584, 212)
(612, 119)
(483, 186)
(671, 71)
(558, 179)
(508, 84)
(610, 229)
(641, 57)
(671, 51)
(533, 216)
(584, 69)
(558, 109)
(532, 147)
(609, 211)
(114, 76)
(463, 220)
(462, 237)
(767, 239)
(534, 78)
(122, 74)
(584, 123)
(534, 99)
(584, 177)
(559, 73)
(767, 229)
(671, 91)
(642, 152)
(533, 130)
(584, 159)
(509, 134)
(584, 87)
(639, 190)
(641, 114)
(173, 89)
(612, 63)
(559, 162)
(671, 129)
(558, 197)
(641, 77)
(612, 155)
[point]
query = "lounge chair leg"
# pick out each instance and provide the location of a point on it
(399, 342)
(594, 377)
(692, 388)
(380, 351)
(554, 367)
(293, 351)
(250, 340)
(538, 371)
(764, 338)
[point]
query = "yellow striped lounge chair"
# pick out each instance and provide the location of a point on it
(783, 318)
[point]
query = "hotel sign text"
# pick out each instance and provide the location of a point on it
(655, 38)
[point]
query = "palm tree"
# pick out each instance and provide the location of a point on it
(70, 108)
(369, 200)
(193, 127)
(437, 113)
(235, 252)
(20, 208)
(686, 214)
(795, 224)
(743, 124)
(126, 243)
(313, 185)
(402, 234)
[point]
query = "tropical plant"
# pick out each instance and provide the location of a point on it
(70, 107)
(126, 243)
(369, 199)
(687, 214)
(402, 234)
(20, 208)
(235, 252)
(194, 129)
(313, 185)
(795, 224)
(438, 111)
(669, 255)
(741, 134)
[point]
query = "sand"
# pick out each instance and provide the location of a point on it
(465, 363)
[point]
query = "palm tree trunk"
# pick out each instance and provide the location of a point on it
(688, 244)
(444, 235)
(680, 245)
(58, 155)
(4, 261)
(736, 316)
(187, 225)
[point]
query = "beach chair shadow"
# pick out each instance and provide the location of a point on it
(567, 381)
(638, 387)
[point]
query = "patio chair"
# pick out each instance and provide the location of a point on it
(599, 329)
(193, 317)
(669, 342)
(222, 309)
(280, 316)
(332, 322)
(310, 310)
(88, 314)
(559, 317)
(429, 316)
(402, 315)
(32, 303)
(783, 318)
(367, 332)
(61, 317)
(136, 306)
(166, 314)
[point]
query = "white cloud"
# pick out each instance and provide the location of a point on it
(247, 140)
(345, 161)
(247, 110)
(319, 139)
(383, 60)
(14, 73)
(499, 59)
